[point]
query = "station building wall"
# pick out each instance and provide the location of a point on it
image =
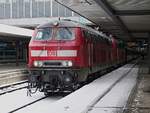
(32, 9)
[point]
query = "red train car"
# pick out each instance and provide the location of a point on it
(62, 54)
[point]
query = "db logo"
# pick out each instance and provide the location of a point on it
(51, 53)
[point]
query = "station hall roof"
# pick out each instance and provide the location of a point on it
(127, 19)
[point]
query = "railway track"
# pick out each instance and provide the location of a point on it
(13, 80)
(90, 94)
(16, 97)
(111, 87)
(16, 109)
(15, 100)
(111, 101)
(23, 107)
(13, 87)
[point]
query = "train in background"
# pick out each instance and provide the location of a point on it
(63, 54)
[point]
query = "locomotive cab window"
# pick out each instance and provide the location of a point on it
(43, 34)
(65, 34)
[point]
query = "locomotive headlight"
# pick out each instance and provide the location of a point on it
(35, 63)
(38, 63)
(67, 63)
(70, 63)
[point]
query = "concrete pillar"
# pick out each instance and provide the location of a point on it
(146, 87)
(51, 8)
(17, 53)
(11, 2)
(149, 44)
(31, 2)
(148, 58)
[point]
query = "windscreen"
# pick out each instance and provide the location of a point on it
(43, 34)
(64, 33)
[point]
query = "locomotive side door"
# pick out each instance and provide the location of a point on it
(90, 48)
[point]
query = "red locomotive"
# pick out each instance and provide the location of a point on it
(62, 54)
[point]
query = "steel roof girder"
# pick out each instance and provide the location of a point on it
(108, 9)
(132, 12)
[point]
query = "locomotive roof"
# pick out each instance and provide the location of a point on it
(70, 23)
(61, 23)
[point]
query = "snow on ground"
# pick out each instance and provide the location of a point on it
(36, 107)
(13, 87)
(78, 102)
(116, 99)
(13, 100)
(82, 99)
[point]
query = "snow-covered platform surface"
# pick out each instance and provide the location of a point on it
(115, 101)
(104, 95)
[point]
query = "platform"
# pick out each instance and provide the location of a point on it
(10, 73)
(136, 100)
(86, 99)
(140, 103)
(124, 90)
(11, 67)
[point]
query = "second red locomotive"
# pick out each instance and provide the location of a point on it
(62, 54)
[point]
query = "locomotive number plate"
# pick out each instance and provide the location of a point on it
(52, 53)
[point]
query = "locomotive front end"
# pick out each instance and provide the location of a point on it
(54, 57)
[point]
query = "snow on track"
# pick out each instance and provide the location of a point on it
(11, 101)
(11, 88)
(116, 100)
(81, 100)
(36, 107)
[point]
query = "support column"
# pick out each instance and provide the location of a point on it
(31, 2)
(11, 3)
(51, 8)
(148, 58)
(146, 87)
(17, 53)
